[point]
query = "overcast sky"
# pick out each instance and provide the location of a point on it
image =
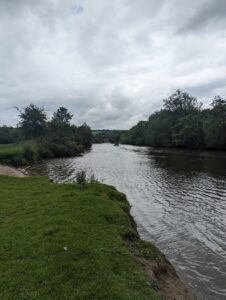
(109, 62)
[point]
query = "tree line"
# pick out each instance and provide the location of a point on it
(106, 135)
(182, 122)
(38, 137)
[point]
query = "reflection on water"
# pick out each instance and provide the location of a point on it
(178, 200)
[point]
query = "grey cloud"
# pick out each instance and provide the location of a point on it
(208, 14)
(110, 63)
(209, 88)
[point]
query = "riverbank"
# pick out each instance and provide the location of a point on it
(76, 242)
(9, 171)
(31, 151)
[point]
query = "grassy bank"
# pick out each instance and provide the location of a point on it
(72, 242)
(25, 152)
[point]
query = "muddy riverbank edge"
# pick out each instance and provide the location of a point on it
(159, 271)
(11, 171)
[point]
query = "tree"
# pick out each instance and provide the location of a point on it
(9, 135)
(159, 129)
(182, 103)
(215, 125)
(188, 132)
(32, 121)
(60, 123)
(84, 135)
(62, 117)
(219, 103)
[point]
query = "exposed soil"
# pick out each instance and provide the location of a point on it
(9, 171)
(169, 285)
(162, 274)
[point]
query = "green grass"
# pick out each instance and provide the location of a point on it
(15, 154)
(11, 148)
(39, 218)
(29, 151)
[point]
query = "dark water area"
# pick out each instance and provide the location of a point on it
(178, 200)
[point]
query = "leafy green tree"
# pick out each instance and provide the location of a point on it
(9, 135)
(188, 132)
(60, 123)
(182, 103)
(182, 123)
(33, 121)
(219, 104)
(159, 131)
(215, 125)
(62, 117)
(83, 135)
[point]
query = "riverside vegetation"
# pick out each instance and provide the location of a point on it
(182, 123)
(38, 138)
(72, 241)
(107, 136)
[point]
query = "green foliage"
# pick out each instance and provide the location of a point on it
(45, 148)
(188, 132)
(182, 123)
(218, 104)
(33, 121)
(67, 242)
(215, 125)
(83, 135)
(60, 123)
(9, 135)
(107, 136)
(62, 117)
(81, 177)
(64, 147)
(12, 155)
(158, 129)
(44, 140)
(182, 102)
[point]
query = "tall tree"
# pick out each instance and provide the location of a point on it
(182, 103)
(60, 123)
(84, 135)
(32, 121)
(62, 117)
(188, 132)
(215, 125)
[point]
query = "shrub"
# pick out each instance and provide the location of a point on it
(81, 177)
(29, 153)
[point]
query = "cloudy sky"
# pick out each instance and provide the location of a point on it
(110, 62)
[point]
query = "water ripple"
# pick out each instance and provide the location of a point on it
(178, 200)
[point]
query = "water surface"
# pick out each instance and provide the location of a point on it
(178, 200)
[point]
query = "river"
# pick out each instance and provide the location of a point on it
(178, 200)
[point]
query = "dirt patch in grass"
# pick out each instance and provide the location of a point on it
(9, 171)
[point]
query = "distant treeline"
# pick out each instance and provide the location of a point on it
(37, 137)
(107, 135)
(182, 123)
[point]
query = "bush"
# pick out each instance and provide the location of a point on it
(12, 155)
(81, 177)
(93, 179)
(45, 149)
(29, 153)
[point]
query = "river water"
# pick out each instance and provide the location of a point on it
(178, 200)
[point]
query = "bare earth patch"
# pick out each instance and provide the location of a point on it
(170, 287)
(9, 171)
